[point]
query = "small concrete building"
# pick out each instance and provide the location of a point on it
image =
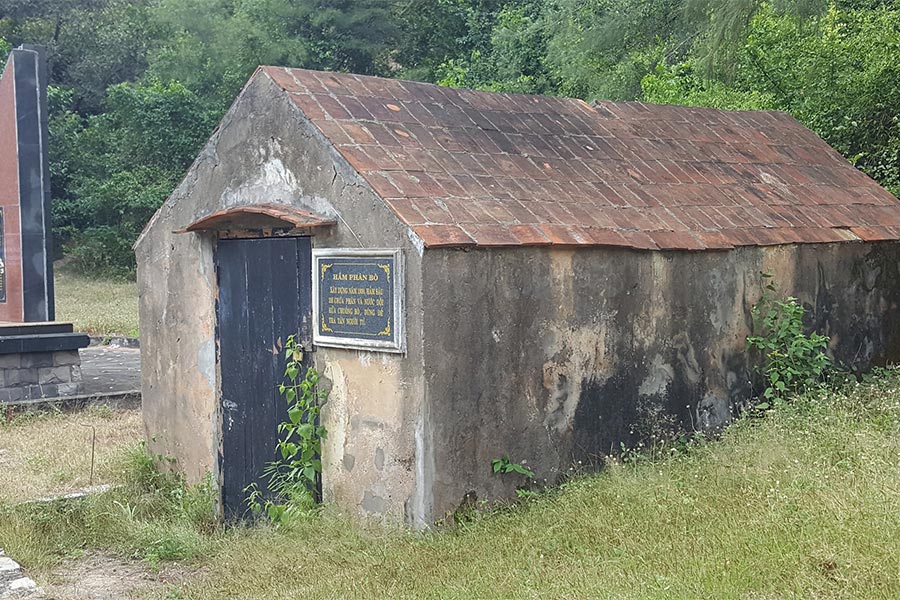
(481, 275)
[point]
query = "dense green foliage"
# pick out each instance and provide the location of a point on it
(112, 170)
(139, 84)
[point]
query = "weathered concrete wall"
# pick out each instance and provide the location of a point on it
(178, 359)
(263, 152)
(552, 356)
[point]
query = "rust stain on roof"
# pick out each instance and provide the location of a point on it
(470, 168)
(256, 216)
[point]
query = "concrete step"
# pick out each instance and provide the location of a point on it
(42, 342)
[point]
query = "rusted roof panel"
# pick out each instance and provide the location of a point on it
(470, 168)
(258, 216)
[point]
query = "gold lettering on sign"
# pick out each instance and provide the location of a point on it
(355, 298)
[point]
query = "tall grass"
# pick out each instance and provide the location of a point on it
(802, 503)
(97, 306)
(151, 516)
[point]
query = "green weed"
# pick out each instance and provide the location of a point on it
(793, 361)
(152, 516)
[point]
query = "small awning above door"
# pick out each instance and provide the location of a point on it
(259, 216)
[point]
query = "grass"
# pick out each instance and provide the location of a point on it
(43, 454)
(97, 306)
(149, 516)
(803, 503)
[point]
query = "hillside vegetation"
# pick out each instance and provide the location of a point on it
(138, 85)
(800, 503)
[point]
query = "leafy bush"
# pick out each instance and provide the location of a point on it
(504, 465)
(101, 252)
(681, 84)
(115, 169)
(792, 361)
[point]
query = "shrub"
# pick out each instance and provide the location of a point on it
(792, 361)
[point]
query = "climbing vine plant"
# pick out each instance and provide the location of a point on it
(792, 360)
(292, 480)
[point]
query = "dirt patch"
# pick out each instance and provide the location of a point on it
(97, 576)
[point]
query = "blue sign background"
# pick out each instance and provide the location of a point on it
(356, 297)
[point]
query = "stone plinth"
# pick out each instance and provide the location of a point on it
(39, 360)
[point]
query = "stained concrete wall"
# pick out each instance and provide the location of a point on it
(554, 356)
(263, 152)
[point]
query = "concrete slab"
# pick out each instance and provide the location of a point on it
(108, 369)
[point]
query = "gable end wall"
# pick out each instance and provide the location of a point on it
(265, 151)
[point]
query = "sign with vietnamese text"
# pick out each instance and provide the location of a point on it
(357, 298)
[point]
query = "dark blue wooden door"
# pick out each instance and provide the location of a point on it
(264, 296)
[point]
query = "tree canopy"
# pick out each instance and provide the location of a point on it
(138, 85)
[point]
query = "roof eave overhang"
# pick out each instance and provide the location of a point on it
(259, 216)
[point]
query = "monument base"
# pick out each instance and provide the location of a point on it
(39, 360)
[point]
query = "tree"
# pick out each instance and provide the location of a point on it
(90, 44)
(510, 58)
(836, 73)
(435, 32)
(115, 169)
(137, 85)
(212, 46)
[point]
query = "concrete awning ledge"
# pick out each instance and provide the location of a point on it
(259, 216)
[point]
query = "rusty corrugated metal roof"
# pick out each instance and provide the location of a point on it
(466, 168)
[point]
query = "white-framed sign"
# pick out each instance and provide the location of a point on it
(358, 298)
